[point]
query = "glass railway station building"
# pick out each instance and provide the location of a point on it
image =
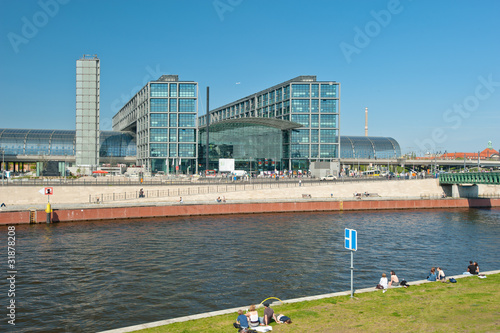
(290, 126)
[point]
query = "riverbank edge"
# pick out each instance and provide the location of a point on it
(89, 212)
(157, 210)
(235, 310)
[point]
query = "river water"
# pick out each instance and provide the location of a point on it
(93, 276)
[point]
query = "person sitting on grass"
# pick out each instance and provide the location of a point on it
(382, 283)
(394, 279)
(241, 321)
(253, 316)
(440, 275)
(282, 319)
(432, 276)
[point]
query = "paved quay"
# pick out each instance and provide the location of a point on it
(71, 203)
(295, 300)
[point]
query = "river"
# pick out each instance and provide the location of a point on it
(94, 276)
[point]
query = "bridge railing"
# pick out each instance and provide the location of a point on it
(491, 178)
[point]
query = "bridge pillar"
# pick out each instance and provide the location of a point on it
(465, 191)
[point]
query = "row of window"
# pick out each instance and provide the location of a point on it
(173, 120)
(303, 106)
(312, 90)
(172, 150)
(312, 151)
(172, 135)
(173, 90)
(170, 105)
(313, 120)
(316, 136)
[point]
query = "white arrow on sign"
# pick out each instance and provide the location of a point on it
(42, 191)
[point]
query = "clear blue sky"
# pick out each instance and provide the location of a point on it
(429, 71)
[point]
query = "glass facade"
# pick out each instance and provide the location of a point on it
(163, 114)
(87, 111)
(248, 143)
(62, 143)
(369, 147)
(302, 100)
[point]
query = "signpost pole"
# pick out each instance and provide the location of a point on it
(352, 274)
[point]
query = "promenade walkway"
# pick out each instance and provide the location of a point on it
(23, 197)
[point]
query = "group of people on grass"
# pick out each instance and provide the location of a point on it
(472, 269)
(436, 274)
(384, 283)
(251, 318)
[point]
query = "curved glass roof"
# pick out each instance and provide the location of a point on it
(369, 147)
(62, 142)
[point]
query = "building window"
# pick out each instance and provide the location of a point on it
(187, 119)
(186, 135)
(173, 119)
(173, 90)
(314, 151)
(173, 105)
(159, 89)
(279, 95)
(328, 120)
(314, 120)
(300, 150)
(328, 106)
(328, 151)
(328, 90)
(158, 150)
(187, 90)
(286, 92)
(173, 135)
(300, 136)
(300, 105)
(187, 150)
(159, 105)
(314, 90)
(314, 105)
(159, 120)
(314, 136)
(158, 135)
(328, 136)
(302, 119)
(300, 90)
(187, 105)
(172, 150)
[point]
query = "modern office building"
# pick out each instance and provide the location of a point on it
(290, 126)
(163, 116)
(87, 111)
(286, 126)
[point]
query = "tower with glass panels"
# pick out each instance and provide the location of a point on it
(163, 115)
(315, 105)
(87, 111)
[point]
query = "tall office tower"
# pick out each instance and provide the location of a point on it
(87, 111)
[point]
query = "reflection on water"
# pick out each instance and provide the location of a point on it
(92, 276)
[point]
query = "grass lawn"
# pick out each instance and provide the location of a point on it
(470, 305)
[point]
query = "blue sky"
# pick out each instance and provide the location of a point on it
(428, 71)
